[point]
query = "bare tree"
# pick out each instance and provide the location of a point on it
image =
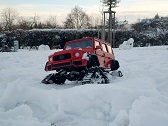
(52, 22)
(69, 22)
(111, 27)
(34, 21)
(23, 23)
(95, 20)
(9, 15)
(77, 18)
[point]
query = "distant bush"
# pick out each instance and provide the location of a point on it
(56, 38)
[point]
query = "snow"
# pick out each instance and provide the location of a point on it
(43, 47)
(85, 56)
(122, 23)
(139, 98)
(127, 44)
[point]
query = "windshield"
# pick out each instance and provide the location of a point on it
(80, 44)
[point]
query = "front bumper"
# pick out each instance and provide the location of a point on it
(66, 64)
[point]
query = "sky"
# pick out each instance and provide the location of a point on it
(130, 10)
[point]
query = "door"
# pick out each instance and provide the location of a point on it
(99, 53)
(108, 54)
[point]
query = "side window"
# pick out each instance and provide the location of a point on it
(97, 43)
(104, 47)
(109, 49)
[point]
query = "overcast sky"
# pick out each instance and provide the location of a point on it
(129, 10)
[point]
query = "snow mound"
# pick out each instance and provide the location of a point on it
(127, 44)
(148, 111)
(139, 98)
(20, 116)
(43, 47)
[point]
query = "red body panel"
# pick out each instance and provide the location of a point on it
(77, 56)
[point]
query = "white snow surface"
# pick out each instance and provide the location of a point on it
(139, 98)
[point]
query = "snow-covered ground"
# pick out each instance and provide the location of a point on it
(139, 98)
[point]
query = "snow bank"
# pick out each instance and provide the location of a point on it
(139, 98)
(148, 111)
(43, 47)
(20, 116)
(127, 44)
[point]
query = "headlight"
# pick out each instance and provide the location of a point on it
(77, 54)
(51, 59)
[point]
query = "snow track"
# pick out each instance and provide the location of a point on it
(139, 98)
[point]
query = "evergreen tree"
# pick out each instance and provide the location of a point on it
(156, 16)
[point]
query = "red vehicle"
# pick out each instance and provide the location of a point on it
(84, 60)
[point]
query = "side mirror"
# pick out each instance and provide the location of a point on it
(98, 47)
